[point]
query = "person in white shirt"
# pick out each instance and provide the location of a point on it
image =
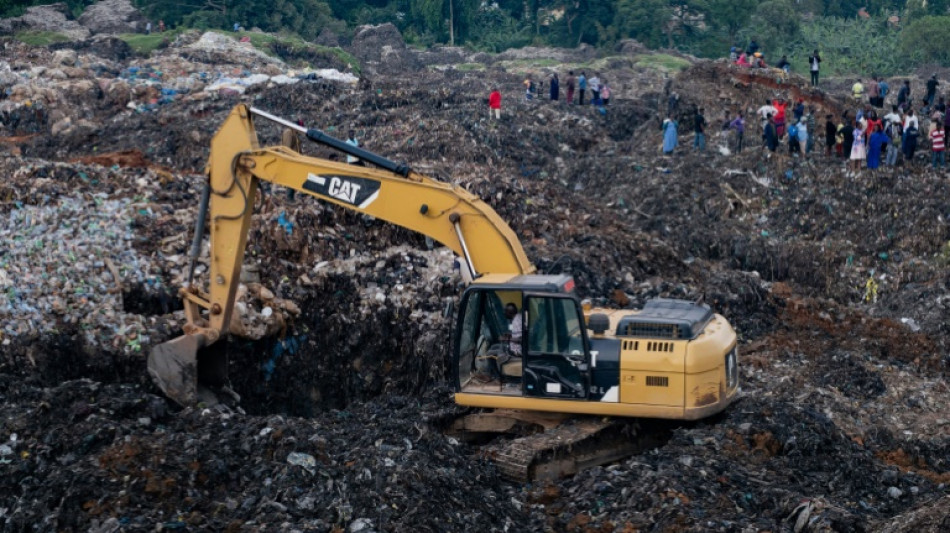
(351, 140)
(911, 121)
(517, 328)
(594, 84)
(893, 117)
(911, 132)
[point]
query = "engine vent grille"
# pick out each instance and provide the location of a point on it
(639, 329)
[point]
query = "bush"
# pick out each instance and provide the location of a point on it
(924, 40)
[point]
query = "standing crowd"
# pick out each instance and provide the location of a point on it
(599, 89)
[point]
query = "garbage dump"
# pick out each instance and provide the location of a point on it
(835, 283)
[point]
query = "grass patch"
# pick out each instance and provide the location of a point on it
(268, 43)
(469, 67)
(40, 38)
(145, 44)
(531, 63)
(662, 62)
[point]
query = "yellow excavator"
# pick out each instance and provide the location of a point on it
(524, 343)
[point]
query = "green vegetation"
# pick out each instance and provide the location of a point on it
(520, 64)
(145, 44)
(850, 43)
(40, 38)
(847, 46)
(662, 62)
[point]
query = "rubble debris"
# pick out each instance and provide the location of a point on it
(346, 320)
(112, 16)
(52, 17)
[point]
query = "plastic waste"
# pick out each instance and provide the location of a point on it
(304, 460)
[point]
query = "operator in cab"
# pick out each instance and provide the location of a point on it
(516, 328)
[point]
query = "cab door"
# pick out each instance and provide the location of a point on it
(556, 349)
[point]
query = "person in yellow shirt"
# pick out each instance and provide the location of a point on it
(857, 90)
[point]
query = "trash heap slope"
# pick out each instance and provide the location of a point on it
(342, 361)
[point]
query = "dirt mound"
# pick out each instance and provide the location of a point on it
(113, 16)
(52, 17)
(107, 47)
(381, 50)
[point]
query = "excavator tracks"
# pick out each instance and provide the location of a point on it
(570, 447)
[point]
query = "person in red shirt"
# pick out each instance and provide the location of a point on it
(494, 103)
(937, 144)
(779, 117)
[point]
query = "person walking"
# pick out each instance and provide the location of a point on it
(581, 88)
(569, 83)
(528, 89)
(670, 137)
(148, 28)
(699, 128)
(161, 26)
(738, 126)
(813, 61)
(555, 88)
(494, 104)
(937, 147)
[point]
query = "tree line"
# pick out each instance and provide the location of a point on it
(707, 28)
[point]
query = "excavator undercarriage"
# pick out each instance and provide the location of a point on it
(531, 446)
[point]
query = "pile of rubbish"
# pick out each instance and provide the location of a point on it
(835, 283)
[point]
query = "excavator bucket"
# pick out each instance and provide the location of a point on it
(182, 365)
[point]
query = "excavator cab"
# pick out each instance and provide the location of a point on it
(542, 352)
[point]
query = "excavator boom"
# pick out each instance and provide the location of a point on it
(444, 212)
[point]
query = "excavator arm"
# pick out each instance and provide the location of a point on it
(393, 192)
